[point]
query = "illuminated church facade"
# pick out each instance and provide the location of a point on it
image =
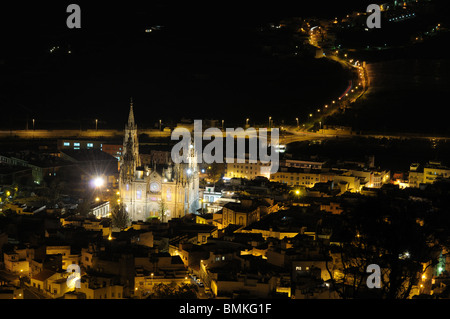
(156, 191)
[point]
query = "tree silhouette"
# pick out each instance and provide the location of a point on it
(162, 210)
(120, 217)
(393, 232)
(174, 291)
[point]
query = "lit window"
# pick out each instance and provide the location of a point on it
(138, 194)
(76, 148)
(76, 144)
(90, 144)
(66, 143)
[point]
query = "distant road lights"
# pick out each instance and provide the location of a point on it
(326, 106)
(333, 102)
(310, 115)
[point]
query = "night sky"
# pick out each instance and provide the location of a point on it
(204, 63)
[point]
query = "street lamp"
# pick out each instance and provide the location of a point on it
(96, 122)
(297, 121)
(270, 119)
(98, 181)
(246, 122)
(33, 124)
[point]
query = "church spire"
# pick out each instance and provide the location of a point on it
(131, 115)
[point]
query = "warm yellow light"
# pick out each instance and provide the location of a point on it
(8, 193)
(424, 277)
(98, 182)
(118, 193)
(97, 199)
(297, 192)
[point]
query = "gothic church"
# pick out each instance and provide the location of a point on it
(161, 191)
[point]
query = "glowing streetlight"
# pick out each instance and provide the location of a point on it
(98, 182)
